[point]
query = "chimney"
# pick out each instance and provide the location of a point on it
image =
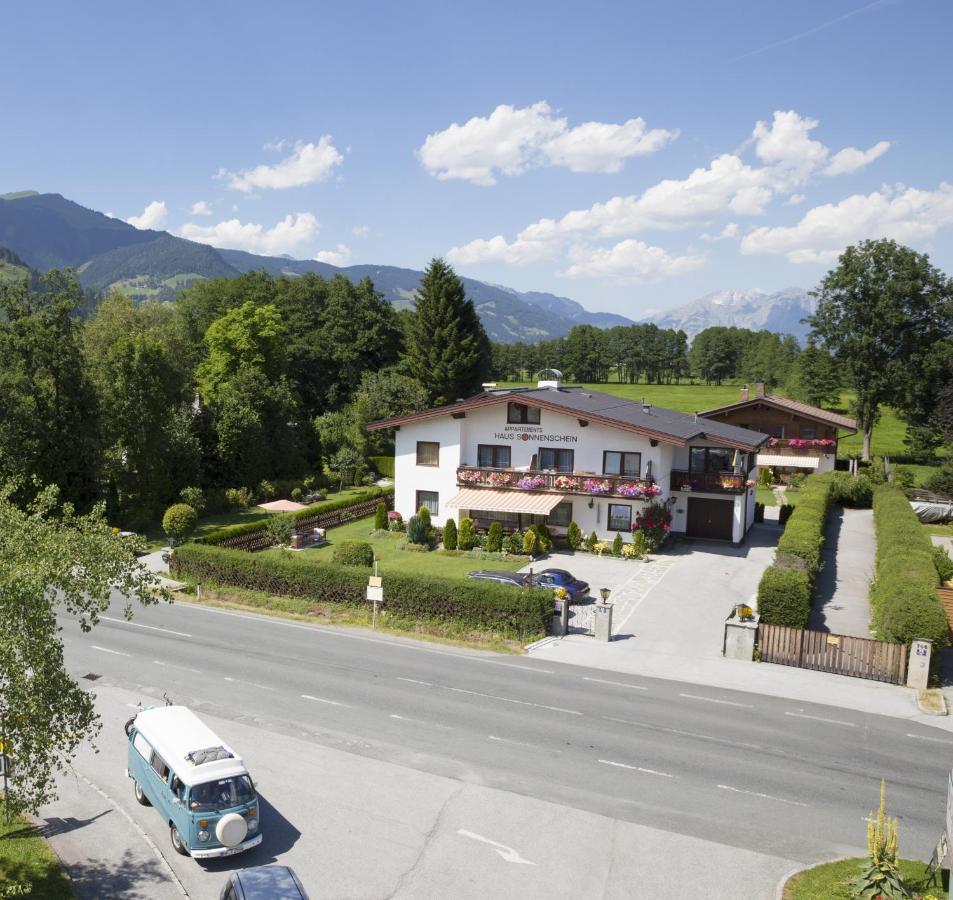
(744, 393)
(759, 389)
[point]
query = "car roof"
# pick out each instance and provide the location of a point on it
(270, 883)
(561, 572)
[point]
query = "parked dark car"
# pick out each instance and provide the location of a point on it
(263, 883)
(512, 579)
(560, 578)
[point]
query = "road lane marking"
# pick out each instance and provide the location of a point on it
(507, 853)
(159, 662)
(635, 687)
(693, 734)
(263, 687)
(821, 719)
(920, 737)
(140, 625)
(618, 765)
(322, 700)
(494, 662)
(713, 700)
(107, 650)
(569, 712)
(493, 737)
(421, 722)
(735, 790)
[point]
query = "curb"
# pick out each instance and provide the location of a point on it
(786, 877)
(542, 642)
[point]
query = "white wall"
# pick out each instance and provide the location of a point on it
(410, 478)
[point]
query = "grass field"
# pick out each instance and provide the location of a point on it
(391, 559)
(25, 859)
(831, 881)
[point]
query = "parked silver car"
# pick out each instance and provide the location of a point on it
(263, 883)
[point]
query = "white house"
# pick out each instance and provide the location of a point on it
(557, 454)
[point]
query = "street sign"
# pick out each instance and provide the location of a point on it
(6, 766)
(375, 593)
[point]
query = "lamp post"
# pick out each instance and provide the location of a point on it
(604, 592)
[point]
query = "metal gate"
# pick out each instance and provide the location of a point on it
(840, 654)
(582, 618)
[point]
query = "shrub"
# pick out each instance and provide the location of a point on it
(850, 490)
(904, 477)
(796, 481)
(530, 542)
(494, 538)
(395, 521)
(353, 553)
(424, 514)
(942, 563)
(193, 496)
(238, 498)
(573, 536)
(450, 535)
(296, 494)
(544, 538)
(903, 595)
(759, 512)
(765, 477)
(521, 614)
(380, 515)
(280, 528)
(267, 490)
(656, 521)
(418, 531)
(466, 537)
(617, 545)
(784, 597)
(513, 543)
(591, 541)
(941, 481)
(784, 512)
(179, 521)
(639, 545)
(383, 465)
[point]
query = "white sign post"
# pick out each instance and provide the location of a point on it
(375, 593)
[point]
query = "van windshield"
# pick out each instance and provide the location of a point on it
(223, 793)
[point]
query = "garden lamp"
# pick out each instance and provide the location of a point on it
(605, 594)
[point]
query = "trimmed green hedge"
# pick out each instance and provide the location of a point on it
(383, 465)
(512, 613)
(325, 506)
(903, 594)
(786, 588)
(353, 553)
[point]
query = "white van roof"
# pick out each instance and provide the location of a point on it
(183, 740)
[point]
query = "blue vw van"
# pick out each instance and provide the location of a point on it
(197, 783)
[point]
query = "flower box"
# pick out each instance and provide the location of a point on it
(531, 482)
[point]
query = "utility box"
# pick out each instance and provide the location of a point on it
(603, 625)
(918, 669)
(741, 632)
(560, 626)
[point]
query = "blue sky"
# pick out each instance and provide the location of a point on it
(610, 152)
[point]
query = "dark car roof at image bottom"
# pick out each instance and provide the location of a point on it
(269, 883)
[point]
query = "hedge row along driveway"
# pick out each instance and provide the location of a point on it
(510, 612)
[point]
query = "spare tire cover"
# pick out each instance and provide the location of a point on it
(231, 830)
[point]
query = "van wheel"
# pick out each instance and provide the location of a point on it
(141, 798)
(177, 844)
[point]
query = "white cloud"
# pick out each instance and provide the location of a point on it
(288, 236)
(278, 146)
(361, 230)
(511, 140)
(200, 208)
(153, 216)
(904, 214)
(795, 200)
(728, 232)
(630, 261)
(307, 164)
(339, 256)
(785, 144)
(850, 159)
(498, 249)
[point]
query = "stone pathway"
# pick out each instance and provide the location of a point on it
(626, 598)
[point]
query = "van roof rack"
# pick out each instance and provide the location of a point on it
(209, 754)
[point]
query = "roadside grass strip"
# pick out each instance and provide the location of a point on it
(27, 863)
(832, 880)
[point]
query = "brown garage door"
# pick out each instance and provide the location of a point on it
(710, 518)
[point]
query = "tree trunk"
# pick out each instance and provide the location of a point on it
(868, 433)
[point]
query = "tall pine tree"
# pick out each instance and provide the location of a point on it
(448, 350)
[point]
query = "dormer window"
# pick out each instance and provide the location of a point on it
(521, 414)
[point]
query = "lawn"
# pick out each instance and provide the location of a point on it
(391, 559)
(830, 881)
(26, 859)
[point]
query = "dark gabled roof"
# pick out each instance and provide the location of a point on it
(657, 422)
(794, 406)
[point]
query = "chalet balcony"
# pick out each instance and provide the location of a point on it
(798, 447)
(587, 483)
(709, 482)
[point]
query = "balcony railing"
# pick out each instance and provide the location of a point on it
(799, 447)
(559, 482)
(709, 482)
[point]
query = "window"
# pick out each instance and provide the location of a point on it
(551, 459)
(521, 414)
(620, 517)
(492, 457)
(430, 499)
(776, 431)
(561, 515)
(142, 745)
(225, 793)
(808, 432)
(162, 770)
(428, 453)
(710, 459)
(616, 462)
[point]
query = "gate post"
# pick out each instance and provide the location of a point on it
(918, 669)
(741, 631)
(603, 624)
(560, 626)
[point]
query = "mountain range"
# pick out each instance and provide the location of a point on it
(44, 231)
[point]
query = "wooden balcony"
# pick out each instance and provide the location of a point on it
(586, 483)
(709, 482)
(782, 448)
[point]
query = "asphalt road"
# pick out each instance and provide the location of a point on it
(737, 773)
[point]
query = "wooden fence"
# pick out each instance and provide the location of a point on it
(838, 653)
(261, 539)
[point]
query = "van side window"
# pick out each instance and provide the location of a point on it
(162, 770)
(142, 746)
